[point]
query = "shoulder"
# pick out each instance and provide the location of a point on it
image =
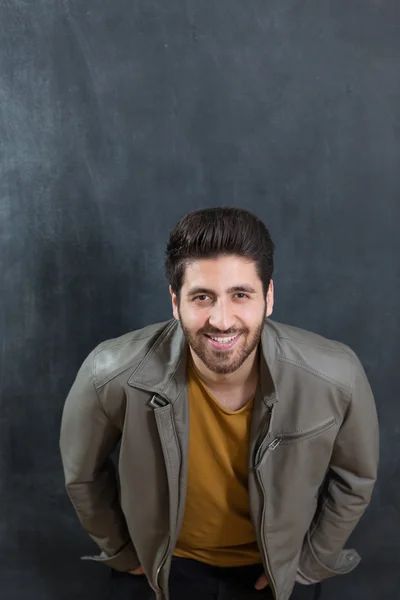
(312, 353)
(115, 356)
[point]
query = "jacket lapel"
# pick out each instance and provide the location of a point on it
(163, 373)
(163, 370)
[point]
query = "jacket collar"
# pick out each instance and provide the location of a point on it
(163, 370)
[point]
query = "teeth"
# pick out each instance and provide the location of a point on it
(223, 340)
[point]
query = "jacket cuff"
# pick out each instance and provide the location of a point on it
(314, 568)
(124, 560)
(301, 578)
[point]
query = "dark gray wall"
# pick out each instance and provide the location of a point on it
(116, 118)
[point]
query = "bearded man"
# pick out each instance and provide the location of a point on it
(248, 449)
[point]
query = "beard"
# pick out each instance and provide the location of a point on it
(223, 362)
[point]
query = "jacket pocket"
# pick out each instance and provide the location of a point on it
(288, 438)
(299, 436)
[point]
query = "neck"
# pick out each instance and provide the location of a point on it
(245, 376)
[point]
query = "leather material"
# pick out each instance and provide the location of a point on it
(313, 452)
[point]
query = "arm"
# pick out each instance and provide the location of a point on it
(351, 479)
(87, 439)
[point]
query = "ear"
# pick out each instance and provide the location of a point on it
(174, 300)
(270, 299)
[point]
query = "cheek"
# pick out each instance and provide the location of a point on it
(192, 320)
(251, 318)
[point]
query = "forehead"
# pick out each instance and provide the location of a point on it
(221, 272)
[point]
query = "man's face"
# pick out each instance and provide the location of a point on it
(222, 310)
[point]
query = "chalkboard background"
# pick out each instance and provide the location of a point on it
(116, 118)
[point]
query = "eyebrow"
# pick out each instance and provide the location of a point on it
(234, 289)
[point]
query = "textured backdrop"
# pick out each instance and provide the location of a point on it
(116, 118)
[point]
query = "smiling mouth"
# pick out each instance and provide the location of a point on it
(223, 342)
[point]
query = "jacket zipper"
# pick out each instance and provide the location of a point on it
(263, 433)
(274, 444)
(163, 561)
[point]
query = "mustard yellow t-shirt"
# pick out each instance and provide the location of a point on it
(216, 527)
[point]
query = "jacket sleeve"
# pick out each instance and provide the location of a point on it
(350, 482)
(87, 439)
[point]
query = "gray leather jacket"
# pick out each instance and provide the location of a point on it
(313, 452)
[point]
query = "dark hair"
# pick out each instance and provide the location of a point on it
(221, 231)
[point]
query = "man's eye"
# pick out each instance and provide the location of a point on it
(241, 295)
(201, 298)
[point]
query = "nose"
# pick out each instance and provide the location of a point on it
(222, 316)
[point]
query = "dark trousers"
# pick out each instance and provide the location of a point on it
(192, 580)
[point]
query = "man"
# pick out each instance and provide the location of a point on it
(248, 448)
